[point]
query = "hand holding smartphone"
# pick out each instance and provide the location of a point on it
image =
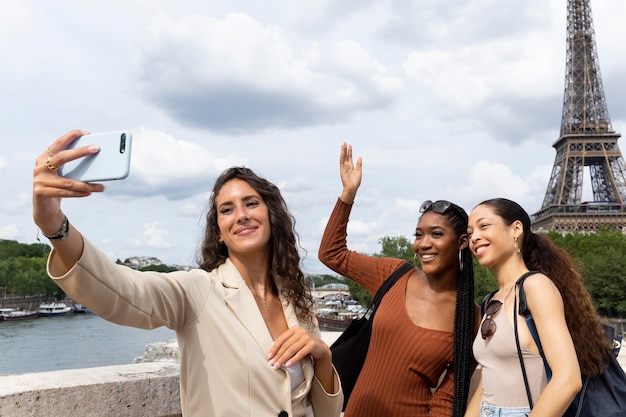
(112, 162)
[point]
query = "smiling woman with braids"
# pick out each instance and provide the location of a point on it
(244, 320)
(425, 324)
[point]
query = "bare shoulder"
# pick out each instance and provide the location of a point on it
(540, 289)
(538, 281)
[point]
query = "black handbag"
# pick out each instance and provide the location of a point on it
(350, 349)
(602, 395)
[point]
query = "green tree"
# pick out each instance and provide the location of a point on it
(606, 282)
(391, 247)
(14, 249)
(396, 247)
(27, 276)
(359, 293)
(601, 258)
(484, 281)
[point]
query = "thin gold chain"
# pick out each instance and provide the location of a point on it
(266, 306)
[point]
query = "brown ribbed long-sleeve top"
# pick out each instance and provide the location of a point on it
(404, 361)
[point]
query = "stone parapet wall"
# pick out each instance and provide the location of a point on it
(148, 388)
(137, 390)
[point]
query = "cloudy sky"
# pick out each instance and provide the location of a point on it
(443, 99)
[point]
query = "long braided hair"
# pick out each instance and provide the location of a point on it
(463, 362)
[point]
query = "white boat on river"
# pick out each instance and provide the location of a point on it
(7, 314)
(53, 309)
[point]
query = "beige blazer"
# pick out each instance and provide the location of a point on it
(223, 340)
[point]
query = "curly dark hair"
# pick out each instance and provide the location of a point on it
(464, 311)
(284, 242)
(541, 254)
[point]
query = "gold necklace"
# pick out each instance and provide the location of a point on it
(266, 306)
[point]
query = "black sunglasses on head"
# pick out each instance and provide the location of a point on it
(439, 206)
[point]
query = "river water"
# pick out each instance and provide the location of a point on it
(70, 342)
(76, 341)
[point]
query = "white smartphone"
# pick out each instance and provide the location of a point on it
(112, 162)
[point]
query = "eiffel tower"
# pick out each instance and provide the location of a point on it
(587, 139)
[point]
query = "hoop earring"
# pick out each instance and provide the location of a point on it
(415, 260)
(461, 260)
(516, 245)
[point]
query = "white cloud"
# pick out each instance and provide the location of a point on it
(10, 232)
(155, 235)
(162, 164)
(19, 204)
(13, 18)
(236, 75)
(488, 180)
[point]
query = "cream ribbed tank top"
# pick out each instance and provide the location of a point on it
(502, 380)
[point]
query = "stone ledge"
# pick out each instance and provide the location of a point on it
(138, 390)
(160, 351)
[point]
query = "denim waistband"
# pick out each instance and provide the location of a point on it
(487, 410)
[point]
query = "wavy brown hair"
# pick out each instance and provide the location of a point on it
(541, 254)
(285, 259)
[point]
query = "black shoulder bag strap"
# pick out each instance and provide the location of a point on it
(389, 282)
(523, 309)
(486, 300)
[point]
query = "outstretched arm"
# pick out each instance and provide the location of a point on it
(49, 189)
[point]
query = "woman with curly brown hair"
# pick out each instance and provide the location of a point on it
(569, 328)
(283, 251)
(245, 323)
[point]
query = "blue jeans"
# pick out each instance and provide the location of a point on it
(487, 410)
